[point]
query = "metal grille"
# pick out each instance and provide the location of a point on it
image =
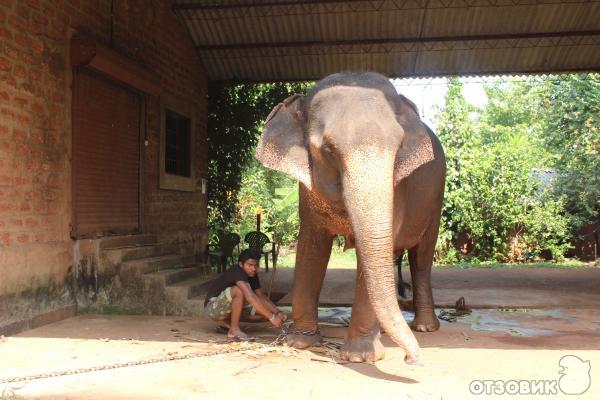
(106, 156)
(177, 144)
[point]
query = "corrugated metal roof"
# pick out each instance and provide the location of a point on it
(284, 40)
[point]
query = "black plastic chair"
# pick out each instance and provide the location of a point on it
(258, 240)
(224, 252)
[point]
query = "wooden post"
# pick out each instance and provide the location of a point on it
(258, 222)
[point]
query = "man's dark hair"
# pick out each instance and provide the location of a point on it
(247, 254)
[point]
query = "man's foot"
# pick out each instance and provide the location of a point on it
(239, 336)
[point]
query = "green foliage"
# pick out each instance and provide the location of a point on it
(235, 115)
(455, 125)
(571, 117)
(570, 264)
(513, 103)
(544, 227)
(493, 209)
(284, 219)
(273, 195)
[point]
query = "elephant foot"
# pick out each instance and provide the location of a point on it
(303, 339)
(425, 322)
(363, 348)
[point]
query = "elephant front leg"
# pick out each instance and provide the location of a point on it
(314, 249)
(420, 259)
(363, 343)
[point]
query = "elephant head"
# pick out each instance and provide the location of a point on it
(351, 140)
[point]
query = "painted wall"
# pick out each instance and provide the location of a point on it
(36, 251)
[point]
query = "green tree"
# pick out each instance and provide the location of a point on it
(571, 116)
(456, 131)
(493, 205)
(274, 196)
(235, 116)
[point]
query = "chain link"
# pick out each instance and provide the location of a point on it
(293, 331)
(127, 364)
(286, 329)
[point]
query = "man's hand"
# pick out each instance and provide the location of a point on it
(283, 315)
(277, 319)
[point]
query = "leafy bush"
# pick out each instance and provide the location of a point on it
(571, 116)
(235, 116)
(273, 195)
(493, 207)
(544, 228)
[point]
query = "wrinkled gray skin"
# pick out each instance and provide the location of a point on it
(370, 170)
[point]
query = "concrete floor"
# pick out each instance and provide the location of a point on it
(536, 326)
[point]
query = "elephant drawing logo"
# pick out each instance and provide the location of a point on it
(574, 375)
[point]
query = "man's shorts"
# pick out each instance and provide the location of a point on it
(219, 307)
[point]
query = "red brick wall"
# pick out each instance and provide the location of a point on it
(35, 126)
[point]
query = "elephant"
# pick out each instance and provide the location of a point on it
(368, 169)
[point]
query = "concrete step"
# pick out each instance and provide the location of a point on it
(194, 287)
(117, 255)
(115, 242)
(192, 307)
(204, 268)
(153, 264)
(172, 276)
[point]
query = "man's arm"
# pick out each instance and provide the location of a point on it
(258, 304)
(268, 303)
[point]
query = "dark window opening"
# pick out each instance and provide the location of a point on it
(177, 144)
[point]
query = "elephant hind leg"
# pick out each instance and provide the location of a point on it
(420, 259)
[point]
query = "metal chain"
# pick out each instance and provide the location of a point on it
(123, 365)
(305, 333)
(285, 330)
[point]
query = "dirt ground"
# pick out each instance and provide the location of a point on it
(487, 350)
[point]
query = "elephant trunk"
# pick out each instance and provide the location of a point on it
(368, 196)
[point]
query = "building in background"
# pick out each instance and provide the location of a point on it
(102, 146)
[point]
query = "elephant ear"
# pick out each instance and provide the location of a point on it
(417, 145)
(282, 145)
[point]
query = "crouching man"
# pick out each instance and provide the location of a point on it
(236, 296)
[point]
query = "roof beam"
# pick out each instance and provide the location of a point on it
(282, 3)
(422, 76)
(229, 6)
(470, 38)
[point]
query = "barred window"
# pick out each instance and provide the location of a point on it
(177, 144)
